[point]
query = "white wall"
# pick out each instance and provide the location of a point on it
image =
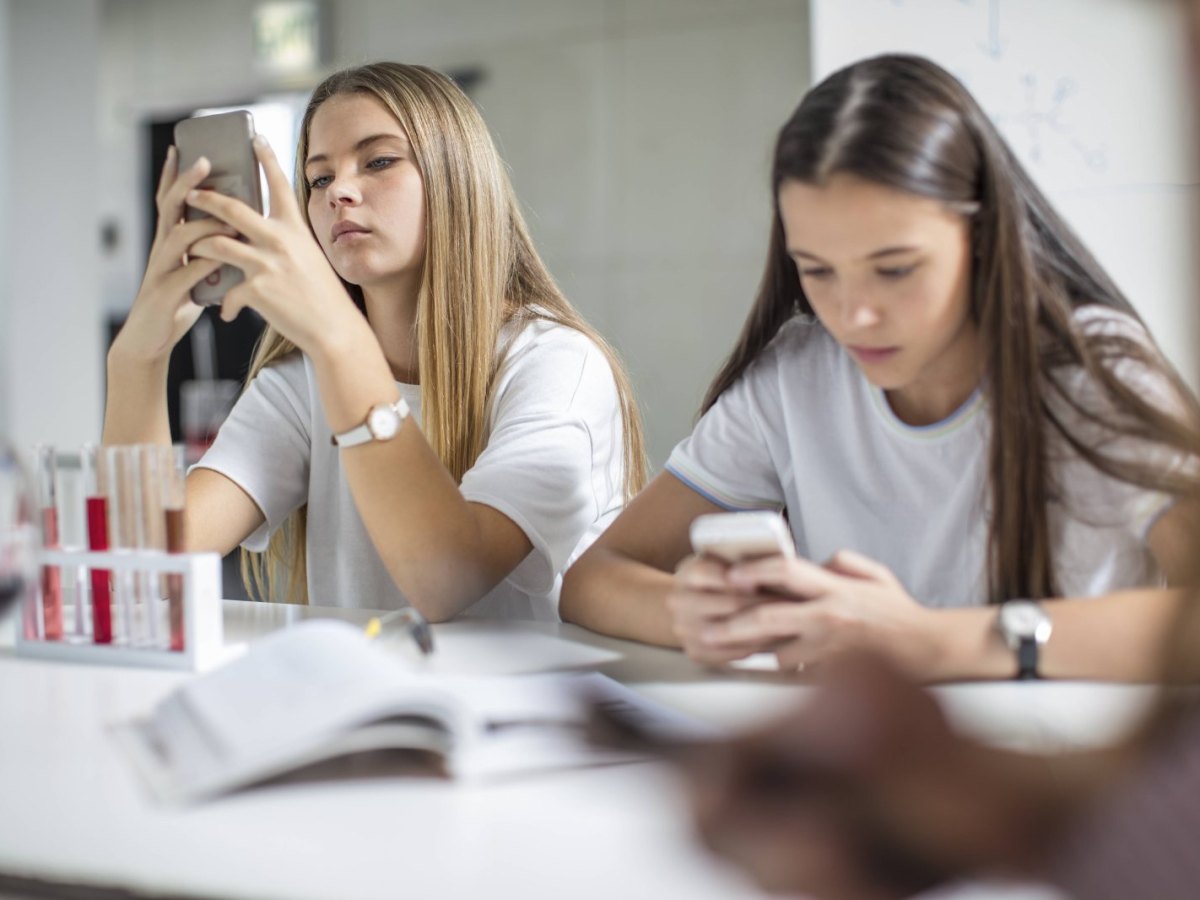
(1092, 96)
(51, 338)
(638, 134)
(5, 261)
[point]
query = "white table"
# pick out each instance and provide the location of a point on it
(73, 810)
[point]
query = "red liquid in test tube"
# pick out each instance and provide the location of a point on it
(97, 524)
(174, 474)
(175, 544)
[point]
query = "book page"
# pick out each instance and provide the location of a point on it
(286, 702)
(320, 691)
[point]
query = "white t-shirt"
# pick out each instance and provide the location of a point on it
(805, 430)
(553, 464)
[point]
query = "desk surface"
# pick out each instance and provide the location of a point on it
(72, 808)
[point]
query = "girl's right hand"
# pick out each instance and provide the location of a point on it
(701, 597)
(163, 310)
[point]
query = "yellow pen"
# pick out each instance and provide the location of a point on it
(406, 622)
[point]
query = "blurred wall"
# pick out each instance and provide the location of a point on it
(50, 310)
(5, 264)
(638, 135)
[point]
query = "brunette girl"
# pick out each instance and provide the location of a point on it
(955, 405)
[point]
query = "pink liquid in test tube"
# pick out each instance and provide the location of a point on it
(52, 601)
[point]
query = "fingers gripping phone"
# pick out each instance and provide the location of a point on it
(734, 537)
(225, 139)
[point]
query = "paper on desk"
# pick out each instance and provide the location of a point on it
(320, 691)
(464, 648)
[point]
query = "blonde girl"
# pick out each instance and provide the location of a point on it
(427, 420)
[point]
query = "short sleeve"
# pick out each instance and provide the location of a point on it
(552, 459)
(728, 458)
(264, 445)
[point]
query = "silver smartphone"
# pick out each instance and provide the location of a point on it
(734, 537)
(225, 139)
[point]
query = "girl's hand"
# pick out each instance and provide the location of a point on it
(163, 310)
(288, 280)
(702, 599)
(851, 603)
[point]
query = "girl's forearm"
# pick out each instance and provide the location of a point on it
(442, 552)
(135, 409)
(1115, 637)
(610, 593)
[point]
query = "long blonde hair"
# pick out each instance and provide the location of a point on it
(480, 272)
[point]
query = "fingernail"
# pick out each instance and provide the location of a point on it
(259, 140)
(203, 160)
(192, 196)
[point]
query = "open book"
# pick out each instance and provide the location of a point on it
(319, 694)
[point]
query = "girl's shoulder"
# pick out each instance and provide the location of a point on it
(533, 340)
(293, 369)
(801, 347)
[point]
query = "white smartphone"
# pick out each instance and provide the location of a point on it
(734, 537)
(225, 139)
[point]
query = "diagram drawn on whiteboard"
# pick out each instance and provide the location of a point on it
(1037, 119)
(1043, 121)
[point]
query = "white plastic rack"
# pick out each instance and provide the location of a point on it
(203, 641)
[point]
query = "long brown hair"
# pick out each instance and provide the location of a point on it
(480, 271)
(905, 123)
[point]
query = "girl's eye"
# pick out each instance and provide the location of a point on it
(817, 274)
(381, 163)
(319, 181)
(896, 273)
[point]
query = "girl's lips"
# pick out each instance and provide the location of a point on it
(873, 354)
(347, 229)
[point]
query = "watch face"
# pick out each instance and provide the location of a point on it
(383, 423)
(1024, 620)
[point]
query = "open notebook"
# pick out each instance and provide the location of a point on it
(319, 699)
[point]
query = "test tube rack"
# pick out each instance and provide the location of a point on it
(203, 640)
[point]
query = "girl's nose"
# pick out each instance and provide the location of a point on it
(343, 192)
(860, 313)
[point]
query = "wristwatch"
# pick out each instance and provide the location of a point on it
(382, 424)
(1025, 627)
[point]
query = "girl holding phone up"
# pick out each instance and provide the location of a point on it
(980, 451)
(427, 420)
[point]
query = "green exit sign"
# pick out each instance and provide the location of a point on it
(288, 35)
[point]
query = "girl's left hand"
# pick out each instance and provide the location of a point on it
(288, 280)
(850, 603)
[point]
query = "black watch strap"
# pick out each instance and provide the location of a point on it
(1027, 658)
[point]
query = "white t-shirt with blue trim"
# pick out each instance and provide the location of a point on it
(553, 464)
(804, 430)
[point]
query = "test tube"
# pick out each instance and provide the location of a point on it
(119, 464)
(149, 534)
(72, 535)
(95, 492)
(173, 496)
(52, 605)
(18, 538)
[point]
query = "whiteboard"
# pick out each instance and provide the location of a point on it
(1092, 97)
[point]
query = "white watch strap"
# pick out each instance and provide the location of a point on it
(361, 434)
